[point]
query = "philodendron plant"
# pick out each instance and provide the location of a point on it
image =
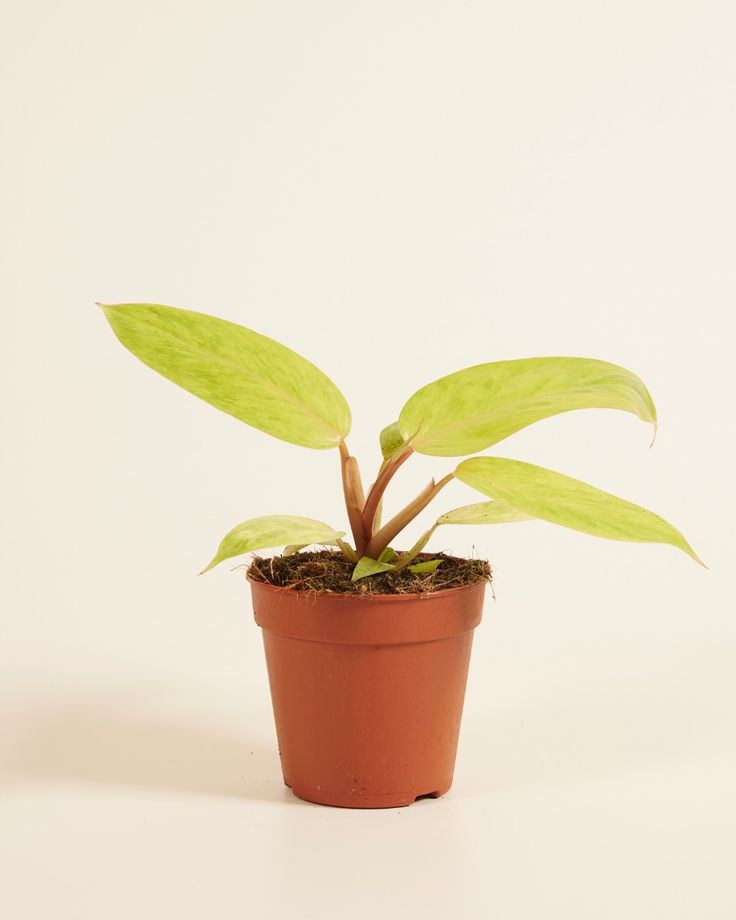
(270, 387)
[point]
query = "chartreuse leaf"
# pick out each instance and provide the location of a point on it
(273, 530)
(367, 566)
(429, 566)
(484, 513)
(247, 375)
(347, 550)
(480, 513)
(474, 408)
(405, 558)
(391, 440)
(562, 500)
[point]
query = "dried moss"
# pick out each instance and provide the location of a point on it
(330, 572)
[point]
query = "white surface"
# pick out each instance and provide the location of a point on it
(396, 190)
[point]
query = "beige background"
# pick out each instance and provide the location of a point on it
(397, 190)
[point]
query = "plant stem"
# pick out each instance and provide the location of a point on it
(352, 488)
(385, 475)
(380, 540)
(347, 551)
(407, 558)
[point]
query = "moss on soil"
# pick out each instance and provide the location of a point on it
(330, 572)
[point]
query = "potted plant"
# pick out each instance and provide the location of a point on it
(367, 645)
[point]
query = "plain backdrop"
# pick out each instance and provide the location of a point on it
(396, 190)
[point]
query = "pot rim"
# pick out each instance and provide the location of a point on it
(350, 619)
(424, 595)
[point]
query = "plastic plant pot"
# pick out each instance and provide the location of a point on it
(367, 691)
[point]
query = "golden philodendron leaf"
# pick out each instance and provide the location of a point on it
(479, 513)
(431, 565)
(391, 440)
(241, 372)
(569, 502)
(273, 530)
(367, 566)
(484, 513)
(475, 408)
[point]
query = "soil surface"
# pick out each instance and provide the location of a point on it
(330, 572)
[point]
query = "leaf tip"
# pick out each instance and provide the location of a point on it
(697, 558)
(685, 546)
(654, 432)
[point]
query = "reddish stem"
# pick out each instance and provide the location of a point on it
(380, 540)
(376, 491)
(354, 498)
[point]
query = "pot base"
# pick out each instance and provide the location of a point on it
(359, 799)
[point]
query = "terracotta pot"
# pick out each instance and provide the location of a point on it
(367, 691)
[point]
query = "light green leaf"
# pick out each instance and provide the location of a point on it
(568, 502)
(429, 566)
(480, 513)
(367, 566)
(474, 408)
(405, 558)
(388, 555)
(484, 513)
(391, 444)
(273, 530)
(247, 375)
(391, 440)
